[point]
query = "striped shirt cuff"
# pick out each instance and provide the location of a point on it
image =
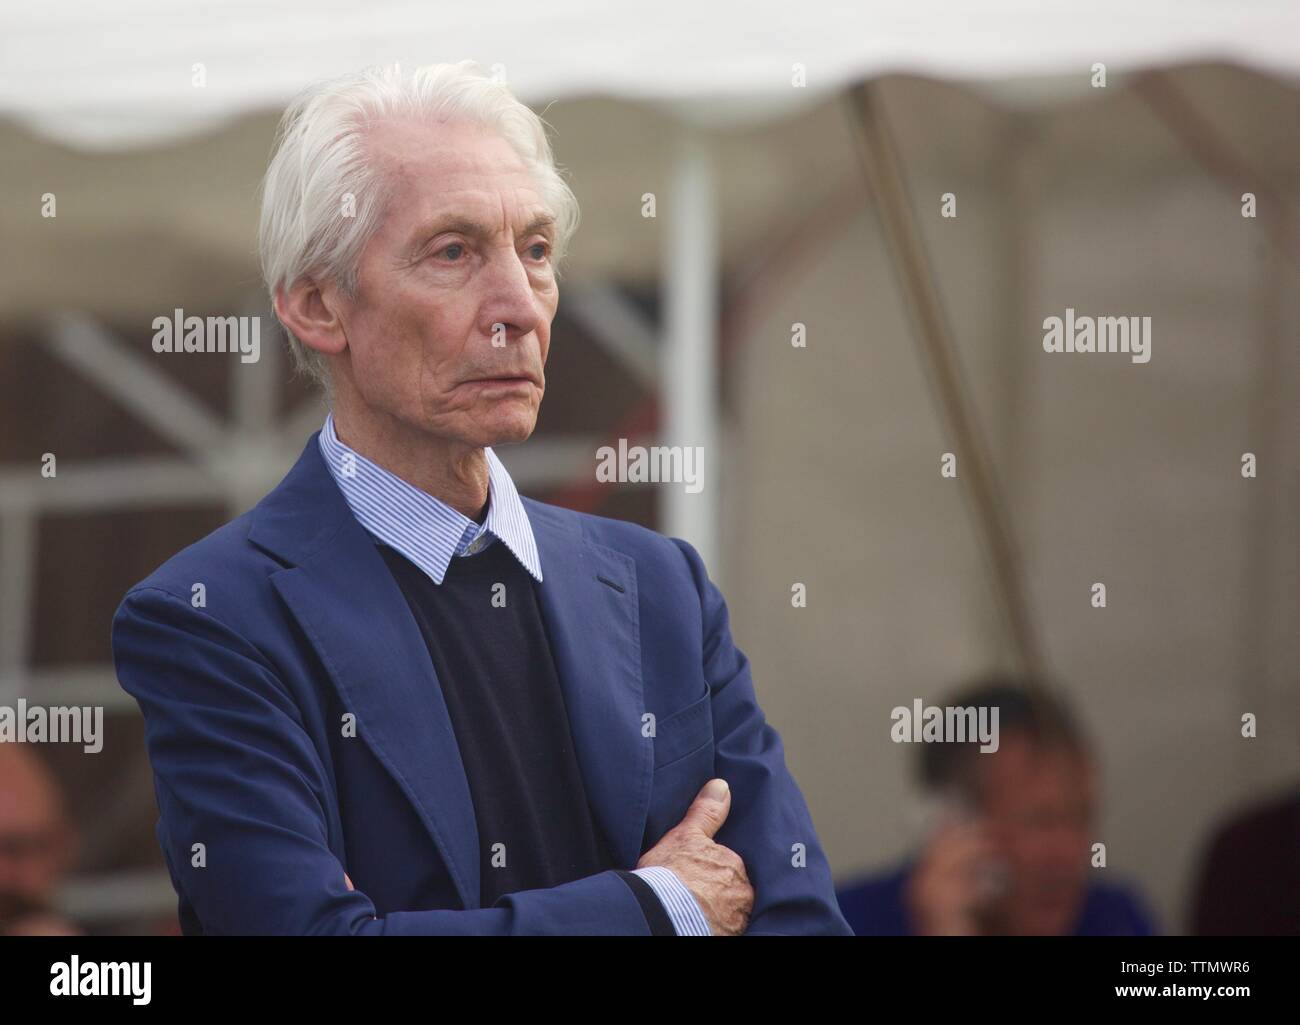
(678, 901)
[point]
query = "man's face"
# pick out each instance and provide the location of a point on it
(33, 840)
(1039, 808)
(455, 289)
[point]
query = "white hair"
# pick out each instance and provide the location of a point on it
(323, 198)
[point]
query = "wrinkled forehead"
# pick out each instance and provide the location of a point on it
(441, 156)
(428, 170)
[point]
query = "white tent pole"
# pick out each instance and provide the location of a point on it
(690, 350)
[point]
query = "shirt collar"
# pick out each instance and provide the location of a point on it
(425, 529)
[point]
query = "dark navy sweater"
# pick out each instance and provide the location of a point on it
(499, 680)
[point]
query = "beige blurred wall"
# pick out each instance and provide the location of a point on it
(1113, 471)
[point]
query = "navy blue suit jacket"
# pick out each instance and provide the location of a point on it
(265, 800)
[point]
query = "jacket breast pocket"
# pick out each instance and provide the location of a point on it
(683, 732)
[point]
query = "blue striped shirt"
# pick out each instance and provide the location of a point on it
(430, 533)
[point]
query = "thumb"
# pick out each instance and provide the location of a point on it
(709, 810)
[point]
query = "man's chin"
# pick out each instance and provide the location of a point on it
(508, 430)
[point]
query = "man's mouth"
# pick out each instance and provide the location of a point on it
(506, 379)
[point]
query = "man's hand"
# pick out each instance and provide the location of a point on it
(950, 885)
(714, 874)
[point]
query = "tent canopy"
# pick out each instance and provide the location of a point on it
(121, 75)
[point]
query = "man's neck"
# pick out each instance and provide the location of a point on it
(451, 472)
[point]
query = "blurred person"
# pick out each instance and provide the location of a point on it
(37, 846)
(1009, 852)
(1249, 880)
(411, 701)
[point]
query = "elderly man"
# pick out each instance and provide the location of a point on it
(406, 700)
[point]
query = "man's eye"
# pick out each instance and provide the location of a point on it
(448, 249)
(543, 246)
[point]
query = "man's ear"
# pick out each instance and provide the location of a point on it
(310, 311)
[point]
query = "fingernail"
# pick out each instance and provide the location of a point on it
(716, 790)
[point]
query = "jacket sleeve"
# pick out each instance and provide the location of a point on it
(241, 797)
(769, 825)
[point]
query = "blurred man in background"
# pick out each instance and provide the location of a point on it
(1010, 852)
(37, 845)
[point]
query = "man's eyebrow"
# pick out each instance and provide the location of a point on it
(543, 223)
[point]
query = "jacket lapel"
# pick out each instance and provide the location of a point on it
(594, 629)
(357, 619)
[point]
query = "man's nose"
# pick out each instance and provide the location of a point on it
(511, 306)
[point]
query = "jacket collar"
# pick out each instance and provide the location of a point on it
(422, 527)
